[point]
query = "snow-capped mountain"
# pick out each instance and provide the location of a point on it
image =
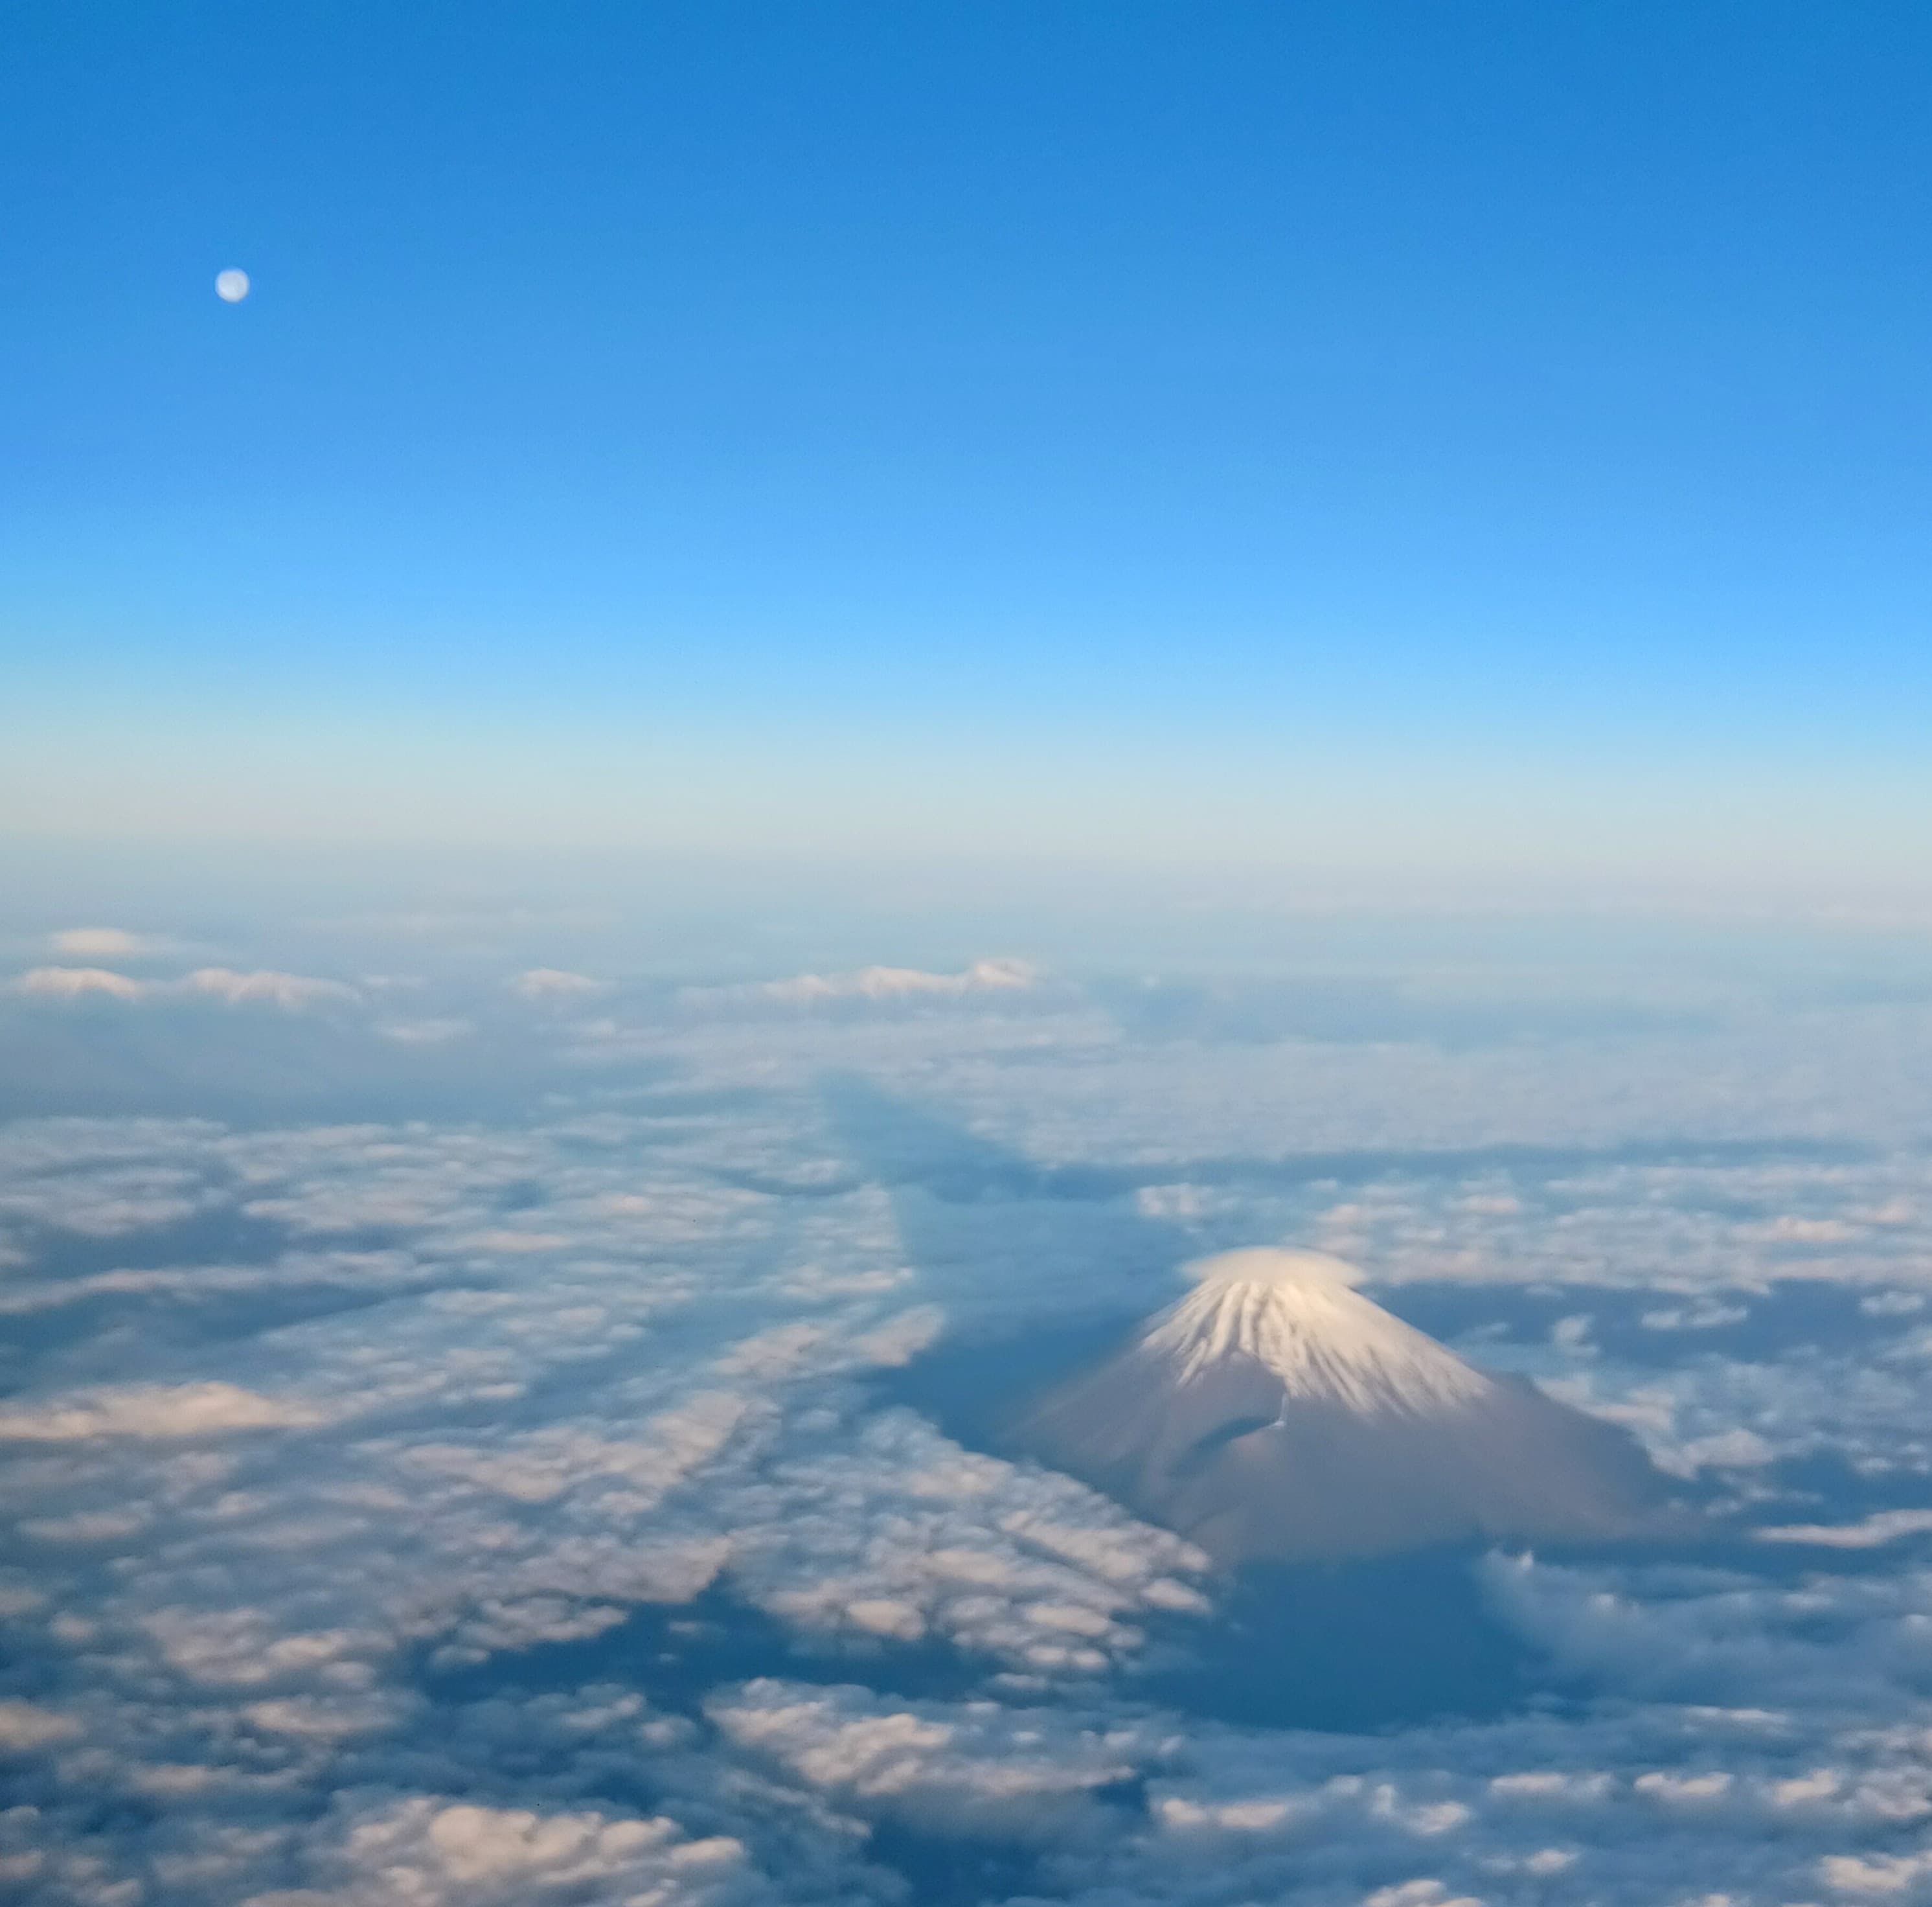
(1276, 1412)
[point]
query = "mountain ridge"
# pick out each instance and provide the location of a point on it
(1275, 1412)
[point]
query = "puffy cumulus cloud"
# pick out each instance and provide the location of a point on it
(1735, 1420)
(887, 1530)
(78, 983)
(424, 1851)
(351, 1179)
(154, 1411)
(208, 1297)
(1708, 1237)
(542, 1466)
(1884, 1527)
(557, 983)
(1703, 1316)
(975, 1768)
(24, 1724)
(105, 944)
(904, 1538)
(242, 1648)
(1876, 1877)
(425, 1032)
(291, 992)
(104, 1179)
(1755, 1653)
(1620, 1802)
(1627, 1803)
(1790, 1229)
(874, 985)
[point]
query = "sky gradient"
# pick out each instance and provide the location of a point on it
(1453, 441)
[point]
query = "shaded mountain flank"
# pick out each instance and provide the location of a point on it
(1275, 1413)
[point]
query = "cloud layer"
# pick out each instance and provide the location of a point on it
(570, 1489)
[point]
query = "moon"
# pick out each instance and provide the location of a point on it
(231, 287)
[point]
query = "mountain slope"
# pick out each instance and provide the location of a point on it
(1276, 1411)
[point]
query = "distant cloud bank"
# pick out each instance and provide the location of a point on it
(877, 985)
(291, 992)
(106, 944)
(554, 983)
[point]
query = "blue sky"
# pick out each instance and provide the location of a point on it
(1380, 435)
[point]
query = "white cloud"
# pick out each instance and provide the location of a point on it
(1425, 1893)
(429, 1852)
(291, 992)
(1887, 1527)
(555, 983)
(668, 1449)
(978, 1771)
(426, 1032)
(876, 985)
(242, 1648)
(155, 1411)
(24, 1725)
(1704, 1317)
(1792, 1229)
(1876, 1876)
(74, 982)
(1732, 1449)
(99, 1526)
(898, 1531)
(105, 944)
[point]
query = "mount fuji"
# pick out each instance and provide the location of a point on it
(1276, 1413)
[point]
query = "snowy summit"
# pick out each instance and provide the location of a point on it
(1297, 1313)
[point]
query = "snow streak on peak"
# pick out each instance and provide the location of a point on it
(1294, 1313)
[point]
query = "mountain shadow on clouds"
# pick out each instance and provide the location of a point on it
(901, 1144)
(1349, 1648)
(975, 1216)
(1346, 1009)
